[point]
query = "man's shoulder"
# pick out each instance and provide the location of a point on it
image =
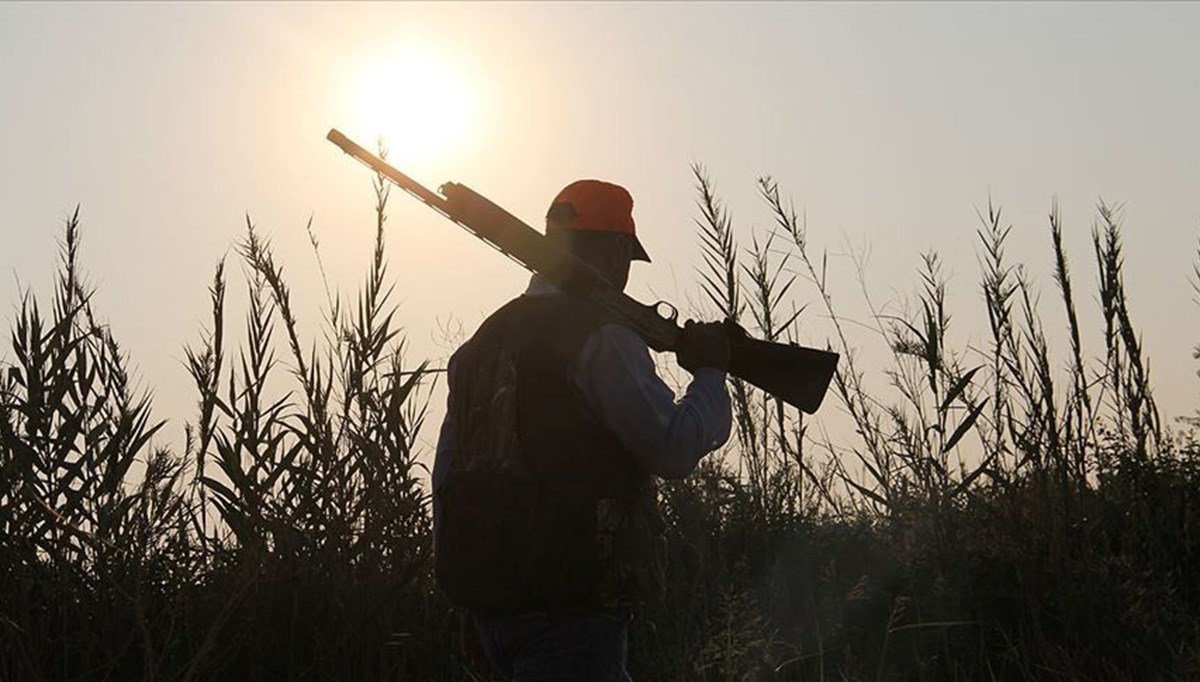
(612, 345)
(488, 332)
(619, 335)
(555, 319)
(496, 318)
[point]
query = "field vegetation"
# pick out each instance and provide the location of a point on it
(994, 516)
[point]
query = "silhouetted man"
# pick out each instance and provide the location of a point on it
(546, 524)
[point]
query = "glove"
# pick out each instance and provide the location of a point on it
(703, 344)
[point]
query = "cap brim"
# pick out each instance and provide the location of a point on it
(639, 252)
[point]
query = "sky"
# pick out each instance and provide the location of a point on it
(891, 126)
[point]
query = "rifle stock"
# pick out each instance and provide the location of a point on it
(797, 375)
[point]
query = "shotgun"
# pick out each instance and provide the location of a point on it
(796, 375)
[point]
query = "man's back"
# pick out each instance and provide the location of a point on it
(537, 500)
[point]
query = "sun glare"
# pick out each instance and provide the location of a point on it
(416, 100)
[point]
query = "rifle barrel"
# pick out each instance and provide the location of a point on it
(379, 166)
(794, 374)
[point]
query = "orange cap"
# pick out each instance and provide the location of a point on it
(597, 206)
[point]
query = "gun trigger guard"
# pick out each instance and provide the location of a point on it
(672, 313)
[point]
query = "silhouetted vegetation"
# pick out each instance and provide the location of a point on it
(996, 518)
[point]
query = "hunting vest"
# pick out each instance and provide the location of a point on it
(542, 507)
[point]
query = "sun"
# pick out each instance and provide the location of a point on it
(416, 100)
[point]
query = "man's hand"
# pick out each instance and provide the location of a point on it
(703, 344)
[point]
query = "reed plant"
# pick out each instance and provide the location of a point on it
(988, 516)
(991, 513)
(89, 562)
(289, 539)
(322, 538)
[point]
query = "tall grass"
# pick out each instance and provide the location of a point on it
(992, 514)
(87, 562)
(290, 539)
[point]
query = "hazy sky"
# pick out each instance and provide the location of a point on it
(889, 124)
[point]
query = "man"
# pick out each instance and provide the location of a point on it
(546, 526)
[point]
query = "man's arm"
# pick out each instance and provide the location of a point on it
(616, 376)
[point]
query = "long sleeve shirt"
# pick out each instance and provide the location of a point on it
(617, 380)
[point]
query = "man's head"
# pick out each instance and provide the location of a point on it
(594, 220)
